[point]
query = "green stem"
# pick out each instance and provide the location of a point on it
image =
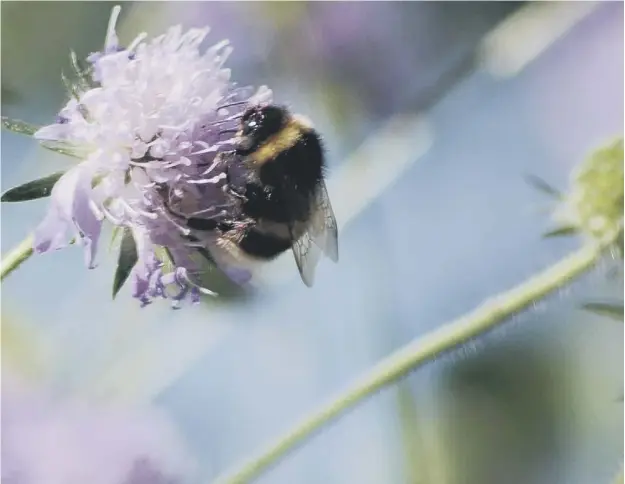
(417, 353)
(18, 255)
(15, 258)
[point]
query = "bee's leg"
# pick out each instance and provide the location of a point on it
(233, 188)
(202, 224)
(237, 193)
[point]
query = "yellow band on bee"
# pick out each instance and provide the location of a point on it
(286, 138)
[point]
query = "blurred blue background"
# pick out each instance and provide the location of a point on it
(432, 113)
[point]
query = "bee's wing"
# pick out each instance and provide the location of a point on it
(210, 274)
(240, 276)
(306, 254)
(324, 229)
(321, 236)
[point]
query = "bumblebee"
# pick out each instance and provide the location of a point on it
(282, 197)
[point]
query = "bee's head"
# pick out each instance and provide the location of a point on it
(261, 122)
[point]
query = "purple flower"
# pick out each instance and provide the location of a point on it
(149, 121)
(48, 440)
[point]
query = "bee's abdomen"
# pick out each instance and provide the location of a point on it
(263, 245)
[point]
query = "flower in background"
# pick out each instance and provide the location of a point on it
(595, 203)
(593, 208)
(46, 440)
(147, 121)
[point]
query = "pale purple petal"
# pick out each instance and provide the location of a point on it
(70, 209)
(54, 132)
(51, 234)
(52, 440)
(88, 224)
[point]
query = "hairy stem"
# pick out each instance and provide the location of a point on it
(420, 351)
(14, 259)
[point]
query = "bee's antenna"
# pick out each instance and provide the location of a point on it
(229, 105)
(222, 121)
(225, 131)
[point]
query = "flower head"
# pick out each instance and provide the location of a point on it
(50, 440)
(150, 122)
(594, 204)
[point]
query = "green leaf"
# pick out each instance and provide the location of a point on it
(543, 186)
(164, 255)
(614, 311)
(127, 260)
(114, 235)
(18, 126)
(33, 189)
(80, 70)
(22, 127)
(96, 180)
(71, 88)
(169, 263)
(561, 232)
(63, 148)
